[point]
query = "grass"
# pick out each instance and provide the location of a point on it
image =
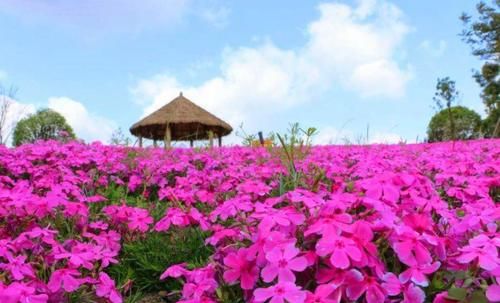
(143, 261)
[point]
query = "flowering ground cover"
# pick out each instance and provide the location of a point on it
(401, 223)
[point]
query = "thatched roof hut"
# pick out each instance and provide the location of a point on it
(180, 120)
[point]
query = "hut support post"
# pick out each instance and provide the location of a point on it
(191, 143)
(140, 141)
(168, 137)
(219, 138)
(210, 138)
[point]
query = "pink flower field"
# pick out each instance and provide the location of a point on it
(380, 223)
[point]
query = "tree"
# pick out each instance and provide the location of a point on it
(445, 96)
(6, 102)
(483, 35)
(467, 125)
(45, 124)
(119, 138)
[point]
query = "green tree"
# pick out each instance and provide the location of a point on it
(467, 125)
(45, 124)
(445, 96)
(483, 35)
(119, 138)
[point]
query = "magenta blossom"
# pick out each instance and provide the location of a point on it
(18, 268)
(280, 293)
(174, 216)
(241, 268)
(282, 262)
(65, 279)
(174, 271)
(139, 219)
(394, 287)
(484, 249)
(326, 293)
(21, 293)
(417, 274)
(493, 293)
(105, 288)
(342, 250)
(359, 284)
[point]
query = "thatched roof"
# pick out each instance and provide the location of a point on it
(187, 121)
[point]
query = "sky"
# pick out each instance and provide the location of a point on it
(340, 66)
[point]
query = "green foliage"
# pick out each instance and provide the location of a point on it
(483, 35)
(467, 125)
(458, 294)
(144, 257)
(45, 124)
(143, 260)
(445, 96)
(295, 145)
(119, 138)
(247, 138)
(446, 93)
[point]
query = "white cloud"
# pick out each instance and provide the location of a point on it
(434, 49)
(216, 16)
(98, 15)
(385, 138)
(15, 112)
(330, 135)
(86, 125)
(354, 48)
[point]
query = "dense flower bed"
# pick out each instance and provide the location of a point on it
(402, 223)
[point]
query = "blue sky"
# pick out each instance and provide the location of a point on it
(335, 65)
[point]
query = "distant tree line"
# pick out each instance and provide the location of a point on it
(453, 122)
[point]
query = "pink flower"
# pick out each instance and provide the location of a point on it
(105, 288)
(357, 285)
(484, 249)
(282, 262)
(221, 233)
(341, 249)
(65, 279)
(280, 293)
(413, 294)
(241, 268)
(330, 223)
(174, 271)
(231, 207)
(174, 216)
(139, 219)
(417, 273)
(376, 190)
(326, 293)
(196, 216)
(21, 293)
(394, 287)
(411, 250)
(443, 298)
(200, 282)
(493, 293)
(18, 268)
(80, 255)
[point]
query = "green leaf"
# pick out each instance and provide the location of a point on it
(459, 275)
(478, 297)
(458, 294)
(218, 291)
(468, 282)
(437, 281)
